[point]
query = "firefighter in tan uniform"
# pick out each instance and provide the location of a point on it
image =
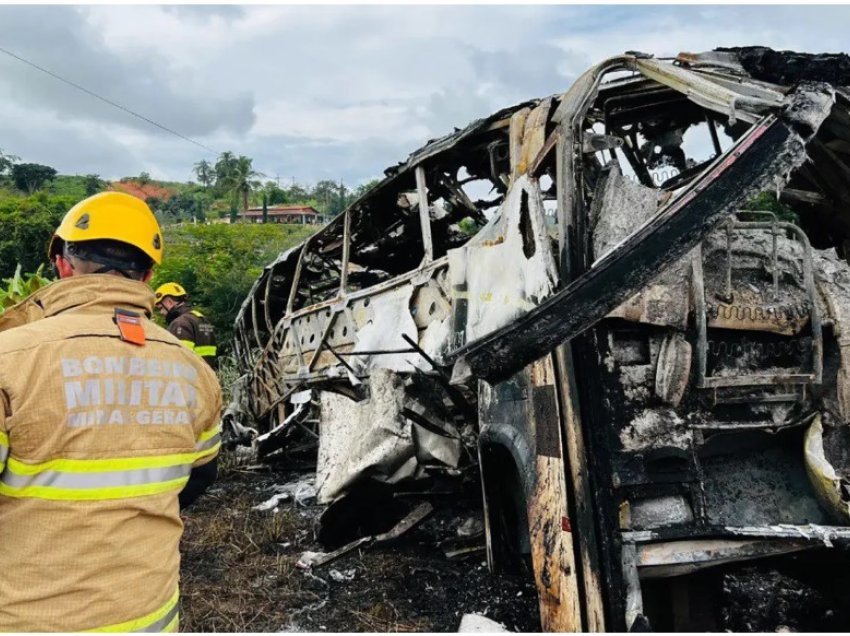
(185, 322)
(107, 426)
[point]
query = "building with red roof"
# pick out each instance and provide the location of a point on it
(301, 214)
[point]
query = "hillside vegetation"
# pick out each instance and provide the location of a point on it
(216, 263)
(26, 225)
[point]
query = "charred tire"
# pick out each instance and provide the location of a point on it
(506, 510)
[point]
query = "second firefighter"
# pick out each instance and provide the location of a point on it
(186, 323)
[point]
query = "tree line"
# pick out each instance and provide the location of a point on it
(223, 188)
(216, 263)
(17, 177)
(233, 178)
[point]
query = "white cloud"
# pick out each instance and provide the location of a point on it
(356, 122)
(324, 91)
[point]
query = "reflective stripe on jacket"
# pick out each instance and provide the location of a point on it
(98, 437)
(194, 331)
(164, 619)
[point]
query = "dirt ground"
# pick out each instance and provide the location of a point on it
(239, 570)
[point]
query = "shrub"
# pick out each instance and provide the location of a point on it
(217, 264)
(19, 286)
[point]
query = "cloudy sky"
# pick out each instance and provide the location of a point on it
(323, 92)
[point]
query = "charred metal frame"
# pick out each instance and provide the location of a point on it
(551, 423)
(816, 374)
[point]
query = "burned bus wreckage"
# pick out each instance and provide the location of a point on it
(584, 296)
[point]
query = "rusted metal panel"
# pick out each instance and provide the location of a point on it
(424, 214)
(710, 94)
(552, 547)
(578, 488)
(517, 132)
(676, 558)
(533, 138)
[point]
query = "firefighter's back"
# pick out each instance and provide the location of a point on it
(100, 436)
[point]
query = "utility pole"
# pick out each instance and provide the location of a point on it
(341, 196)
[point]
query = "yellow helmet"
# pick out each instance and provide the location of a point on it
(111, 215)
(169, 289)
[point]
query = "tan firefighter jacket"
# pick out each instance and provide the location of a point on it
(97, 437)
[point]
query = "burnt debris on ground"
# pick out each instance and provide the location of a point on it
(239, 569)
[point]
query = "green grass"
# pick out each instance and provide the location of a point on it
(179, 186)
(68, 185)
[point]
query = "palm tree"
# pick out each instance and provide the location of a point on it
(205, 173)
(223, 171)
(237, 176)
(246, 178)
